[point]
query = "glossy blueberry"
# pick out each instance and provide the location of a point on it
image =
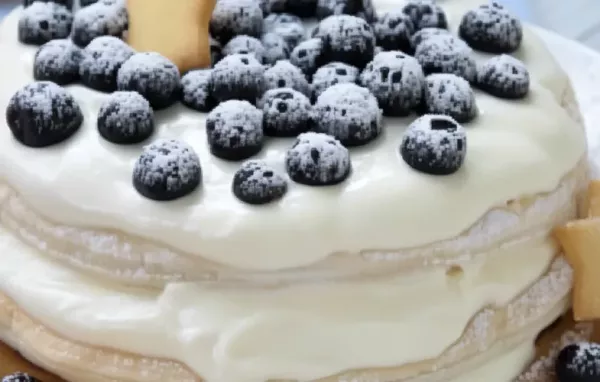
(257, 183)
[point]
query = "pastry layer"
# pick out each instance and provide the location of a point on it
(516, 148)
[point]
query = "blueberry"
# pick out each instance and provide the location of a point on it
(348, 112)
(42, 114)
(332, 74)
(393, 31)
(435, 145)
(290, 27)
(101, 62)
(234, 130)
(216, 51)
(450, 95)
(447, 54)
(425, 34)
(318, 159)
(245, 45)
(66, 3)
(85, 3)
(195, 92)
(265, 6)
(285, 75)
(579, 362)
(167, 170)
(41, 22)
(286, 112)
(57, 61)
(491, 28)
(238, 76)
(276, 48)
(360, 8)
(308, 55)
(347, 39)
(231, 18)
(257, 183)
(504, 76)
(125, 118)
(302, 8)
(277, 6)
(426, 14)
(19, 377)
(397, 81)
(104, 18)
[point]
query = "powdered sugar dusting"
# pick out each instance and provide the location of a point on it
(57, 60)
(276, 48)
(492, 26)
(102, 59)
(258, 183)
(307, 55)
(446, 54)
(195, 88)
(450, 95)
(235, 124)
(236, 17)
(505, 74)
(286, 75)
(290, 27)
(287, 112)
(41, 22)
(104, 18)
(127, 112)
(245, 45)
(425, 14)
(332, 74)
(425, 34)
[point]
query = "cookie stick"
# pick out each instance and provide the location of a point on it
(176, 29)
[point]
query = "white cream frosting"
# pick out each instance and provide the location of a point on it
(516, 148)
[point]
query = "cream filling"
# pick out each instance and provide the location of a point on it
(516, 148)
(301, 332)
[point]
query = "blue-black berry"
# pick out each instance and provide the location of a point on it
(447, 54)
(258, 183)
(245, 45)
(450, 95)
(397, 80)
(85, 3)
(504, 76)
(19, 377)
(308, 56)
(360, 8)
(286, 112)
(235, 130)
(216, 51)
(167, 170)
(579, 362)
(57, 61)
(231, 18)
(491, 28)
(348, 112)
(125, 118)
(276, 48)
(347, 39)
(290, 27)
(66, 3)
(425, 34)
(101, 62)
(393, 31)
(426, 14)
(286, 75)
(41, 22)
(103, 18)
(435, 145)
(195, 90)
(302, 8)
(153, 76)
(318, 159)
(332, 74)
(238, 76)
(43, 114)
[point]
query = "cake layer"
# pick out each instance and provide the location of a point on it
(516, 149)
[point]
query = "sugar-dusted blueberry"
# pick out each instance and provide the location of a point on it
(41, 22)
(85, 3)
(168, 169)
(43, 114)
(504, 76)
(578, 362)
(348, 39)
(397, 80)
(231, 18)
(245, 45)
(125, 118)
(450, 95)
(348, 112)
(426, 14)
(216, 51)
(435, 145)
(425, 34)
(195, 92)
(447, 54)
(66, 3)
(57, 61)
(235, 130)
(302, 8)
(104, 18)
(237, 76)
(360, 8)
(286, 112)
(265, 6)
(290, 27)
(284, 74)
(258, 183)
(276, 48)
(101, 62)
(308, 55)
(19, 377)
(318, 159)
(332, 74)
(491, 28)
(153, 76)
(393, 31)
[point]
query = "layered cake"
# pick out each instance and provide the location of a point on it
(353, 191)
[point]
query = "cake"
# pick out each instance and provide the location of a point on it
(336, 228)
